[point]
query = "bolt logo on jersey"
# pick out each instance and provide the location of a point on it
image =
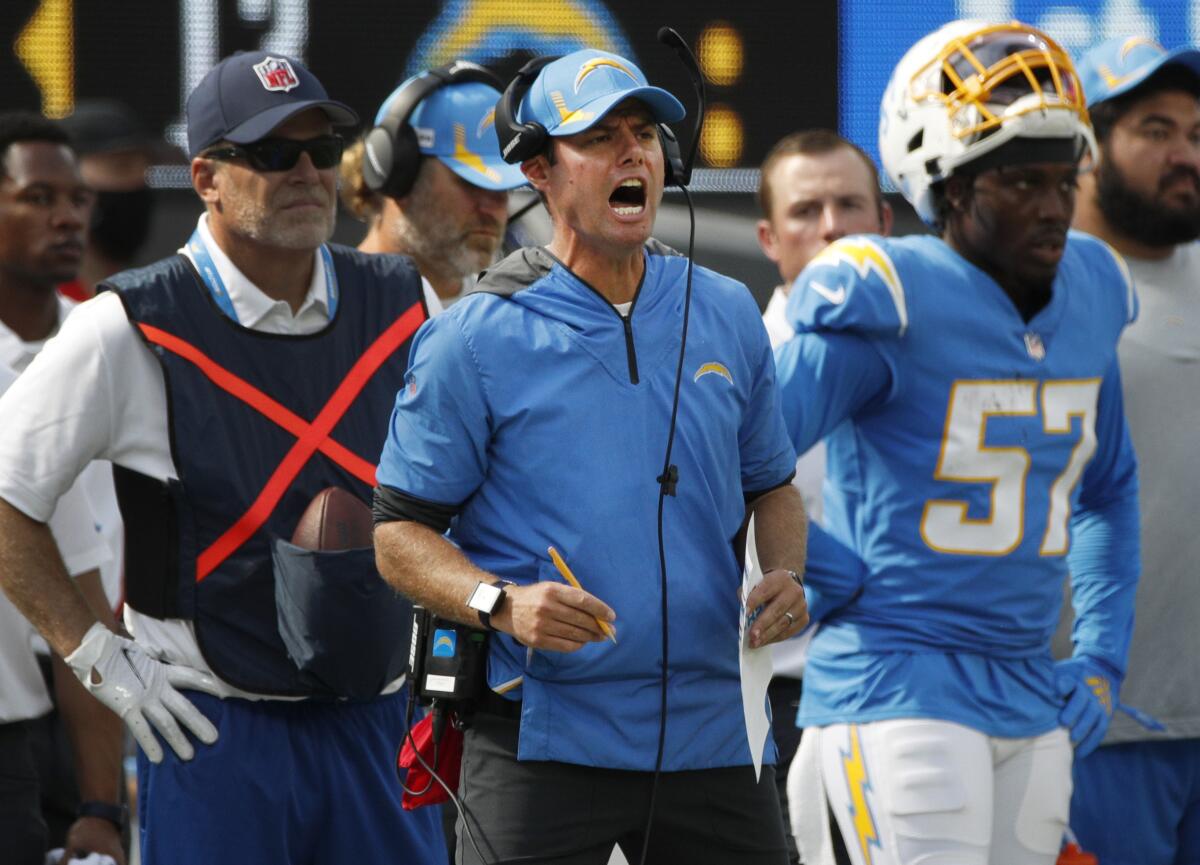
(865, 257)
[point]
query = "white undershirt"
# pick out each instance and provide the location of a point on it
(96, 392)
(790, 656)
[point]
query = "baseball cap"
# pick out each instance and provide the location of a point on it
(574, 92)
(456, 124)
(245, 96)
(1118, 65)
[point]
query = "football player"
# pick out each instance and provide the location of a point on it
(968, 386)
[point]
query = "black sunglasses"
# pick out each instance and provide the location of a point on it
(282, 154)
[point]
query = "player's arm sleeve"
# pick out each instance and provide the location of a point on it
(833, 574)
(846, 306)
(825, 378)
(435, 455)
(1105, 554)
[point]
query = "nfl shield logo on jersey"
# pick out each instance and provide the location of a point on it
(1035, 346)
(276, 73)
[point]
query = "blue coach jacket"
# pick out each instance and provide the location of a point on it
(542, 415)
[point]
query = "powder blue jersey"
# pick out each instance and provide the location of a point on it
(974, 458)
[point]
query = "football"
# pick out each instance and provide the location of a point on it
(334, 520)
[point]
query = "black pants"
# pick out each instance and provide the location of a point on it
(22, 830)
(563, 814)
(784, 694)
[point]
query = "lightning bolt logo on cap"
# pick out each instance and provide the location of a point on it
(595, 63)
(472, 160)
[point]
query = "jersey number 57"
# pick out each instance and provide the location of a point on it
(965, 458)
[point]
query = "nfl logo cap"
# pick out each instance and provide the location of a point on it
(1119, 65)
(456, 124)
(245, 96)
(576, 91)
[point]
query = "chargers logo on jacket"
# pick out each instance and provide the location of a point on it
(713, 368)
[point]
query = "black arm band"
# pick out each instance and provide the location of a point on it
(118, 815)
(391, 505)
(751, 498)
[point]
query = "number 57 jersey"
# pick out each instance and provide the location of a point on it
(974, 458)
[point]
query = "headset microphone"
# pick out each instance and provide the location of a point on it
(670, 37)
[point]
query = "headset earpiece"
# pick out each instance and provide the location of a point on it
(673, 169)
(520, 141)
(392, 154)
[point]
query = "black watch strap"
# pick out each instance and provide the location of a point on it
(118, 815)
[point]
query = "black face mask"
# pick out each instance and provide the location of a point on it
(121, 222)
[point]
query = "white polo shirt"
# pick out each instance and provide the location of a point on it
(22, 691)
(112, 405)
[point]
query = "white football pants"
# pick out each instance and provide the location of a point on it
(925, 792)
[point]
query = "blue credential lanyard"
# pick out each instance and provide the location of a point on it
(216, 286)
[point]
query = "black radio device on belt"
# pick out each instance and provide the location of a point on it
(447, 660)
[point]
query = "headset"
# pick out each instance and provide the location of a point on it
(522, 141)
(392, 154)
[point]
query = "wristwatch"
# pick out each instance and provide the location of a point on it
(486, 600)
(118, 815)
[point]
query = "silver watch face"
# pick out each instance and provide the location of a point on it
(485, 597)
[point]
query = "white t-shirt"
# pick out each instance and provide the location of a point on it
(789, 656)
(17, 354)
(22, 690)
(113, 406)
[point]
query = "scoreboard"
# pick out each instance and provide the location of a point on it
(769, 68)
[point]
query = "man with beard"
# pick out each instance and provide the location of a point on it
(1137, 798)
(428, 179)
(229, 385)
(968, 386)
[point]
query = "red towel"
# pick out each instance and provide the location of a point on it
(417, 777)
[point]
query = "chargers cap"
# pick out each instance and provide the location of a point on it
(456, 124)
(245, 96)
(574, 92)
(1119, 65)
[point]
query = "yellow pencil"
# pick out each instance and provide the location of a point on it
(570, 578)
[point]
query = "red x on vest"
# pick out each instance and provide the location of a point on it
(310, 437)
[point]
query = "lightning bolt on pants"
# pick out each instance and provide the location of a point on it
(927, 792)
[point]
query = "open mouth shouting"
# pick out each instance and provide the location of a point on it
(629, 198)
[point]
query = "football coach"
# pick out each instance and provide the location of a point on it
(536, 414)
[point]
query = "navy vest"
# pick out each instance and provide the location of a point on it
(269, 617)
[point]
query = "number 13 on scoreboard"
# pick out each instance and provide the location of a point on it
(964, 458)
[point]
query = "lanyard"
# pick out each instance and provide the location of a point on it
(216, 286)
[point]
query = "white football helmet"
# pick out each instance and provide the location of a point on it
(966, 89)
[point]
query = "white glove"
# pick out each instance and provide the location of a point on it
(57, 857)
(141, 691)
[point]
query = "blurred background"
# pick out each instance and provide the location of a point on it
(770, 68)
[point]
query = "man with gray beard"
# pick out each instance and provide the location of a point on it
(428, 179)
(1137, 798)
(231, 385)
